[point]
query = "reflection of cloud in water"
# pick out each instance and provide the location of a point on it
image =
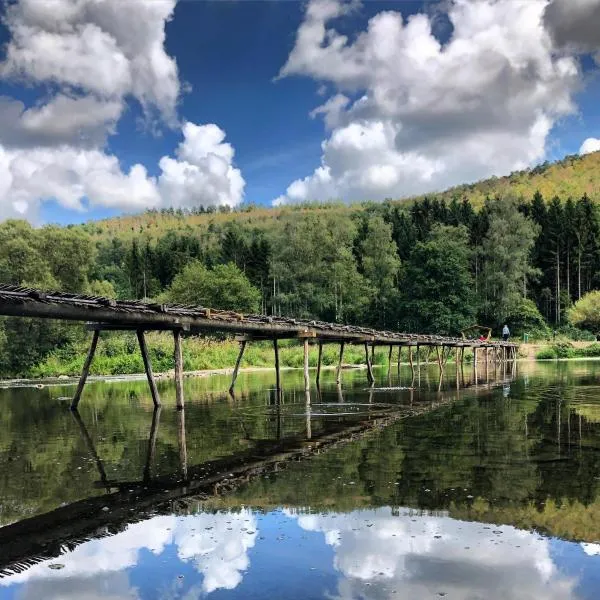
(216, 544)
(422, 555)
(591, 549)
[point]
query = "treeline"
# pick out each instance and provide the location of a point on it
(431, 266)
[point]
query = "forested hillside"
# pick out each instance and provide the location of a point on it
(430, 265)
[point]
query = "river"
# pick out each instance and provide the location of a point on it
(472, 487)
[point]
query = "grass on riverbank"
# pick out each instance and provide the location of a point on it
(565, 349)
(118, 354)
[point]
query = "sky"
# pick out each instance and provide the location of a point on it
(110, 107)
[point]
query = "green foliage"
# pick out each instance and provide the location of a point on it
(224, 287)
(506, 267)
(526, 318)
(314, 270)
(438, 288)
(586, 311)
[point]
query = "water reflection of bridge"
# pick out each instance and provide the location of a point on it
(34, 539)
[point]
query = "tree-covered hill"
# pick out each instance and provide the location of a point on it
(572, 177)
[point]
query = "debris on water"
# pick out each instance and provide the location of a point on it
(105, 509)
(56, 566)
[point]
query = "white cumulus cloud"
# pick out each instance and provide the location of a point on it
(107, 47)
(411, 114)
(200, 173)
(590, 145)
(94, 56)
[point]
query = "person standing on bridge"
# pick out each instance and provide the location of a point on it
(505, 333)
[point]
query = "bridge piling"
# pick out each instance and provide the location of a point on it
(338, 372)
(148, 367)
(306, 377)
(318, 378)
(85, 371)
(236, 369)
(178, 352)
(277, 372)
(370, 376)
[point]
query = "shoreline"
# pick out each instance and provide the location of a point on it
(67, 380)
(42, 382)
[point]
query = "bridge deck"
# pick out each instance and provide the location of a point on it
(119, 314)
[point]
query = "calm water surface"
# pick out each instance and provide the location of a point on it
(485, 491)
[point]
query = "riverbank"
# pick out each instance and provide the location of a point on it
(118, 356)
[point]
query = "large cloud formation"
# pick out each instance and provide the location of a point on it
(411, 114)
(93, 60)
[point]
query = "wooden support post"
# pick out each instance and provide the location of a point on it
(86, 370)
(338, 372)
(474, 355)
(390, 360)
(410, 360)
(306, 378)
(148, 367)
(319, 363)
(369, 367)
(399, 358)
(439, 358)
(277, 373)
(372, 354)
(418, 358)
(236, 369)
(178, 369)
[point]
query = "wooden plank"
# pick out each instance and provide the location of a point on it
(85, 371)
(148, 367)
(178, 351)
(237, 365)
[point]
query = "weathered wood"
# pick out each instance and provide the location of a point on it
(390, 360)
(418, 358)
(236, 369)
(178, 351)
(148, 367)
(306, 377)
(338, 372)
(319, 358)
(85, 371)
(439, 358)
(399, 358)
(369, 367)
(277, 372)
(410, 360)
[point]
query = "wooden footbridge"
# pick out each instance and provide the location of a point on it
(103, 314)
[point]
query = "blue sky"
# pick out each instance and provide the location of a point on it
(412, 117)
